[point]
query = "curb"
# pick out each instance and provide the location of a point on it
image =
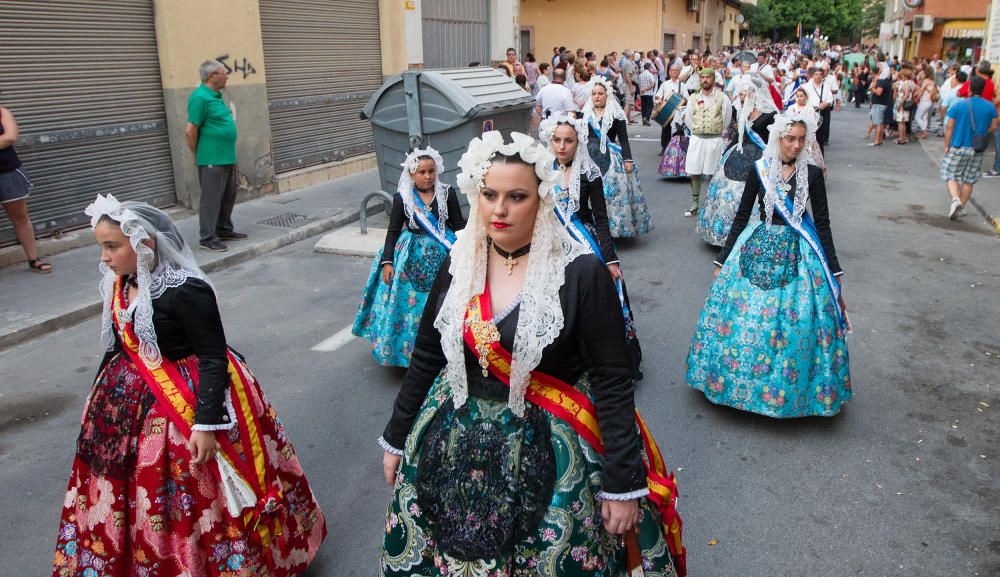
(87, 310)
(994, 221)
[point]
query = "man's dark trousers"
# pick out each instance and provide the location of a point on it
(218, 197)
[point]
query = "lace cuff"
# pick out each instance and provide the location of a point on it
(389, 448)
(638, 494)
(229, 419)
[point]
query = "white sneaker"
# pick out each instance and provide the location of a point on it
(961, 211)
(955, 206)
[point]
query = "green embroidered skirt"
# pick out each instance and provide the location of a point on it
(484, 493)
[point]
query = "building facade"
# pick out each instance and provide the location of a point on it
(955, 31)
(637, 24)
(100, 89)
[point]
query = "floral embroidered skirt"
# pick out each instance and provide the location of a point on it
(389, 315)
(136, 506)
(718, 210)
(484, 493)
(674, 157)
(768, 340)
(628, 215)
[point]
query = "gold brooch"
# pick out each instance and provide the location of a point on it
(485, 333)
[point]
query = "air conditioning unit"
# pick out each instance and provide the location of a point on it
(693, 5)
(923, 23)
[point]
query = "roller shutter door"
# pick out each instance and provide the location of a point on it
(323, 62)
(456, 33)
(82, 78)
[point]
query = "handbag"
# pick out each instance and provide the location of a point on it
(979, 141)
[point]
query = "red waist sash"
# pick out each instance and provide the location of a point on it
(565, 402)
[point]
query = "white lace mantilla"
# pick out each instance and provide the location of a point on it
(540, 319)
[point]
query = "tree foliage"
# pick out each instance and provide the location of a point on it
(841, 20)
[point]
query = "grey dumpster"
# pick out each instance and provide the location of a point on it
(444, 109)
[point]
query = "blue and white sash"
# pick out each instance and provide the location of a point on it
(579, 233)
(427, 221)
(807, 230)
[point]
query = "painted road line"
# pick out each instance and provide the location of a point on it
(631, 138)
(341, 338)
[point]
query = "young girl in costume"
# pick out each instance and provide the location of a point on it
(182, 466)
(425, 216)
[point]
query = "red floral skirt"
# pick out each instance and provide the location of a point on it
(137, 506)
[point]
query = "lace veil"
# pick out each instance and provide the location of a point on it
(582, 163)
(164, 263)
(405, 186)
(780, 127)
(612, 109)
(541, 317)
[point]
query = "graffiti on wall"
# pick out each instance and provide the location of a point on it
(237, 65)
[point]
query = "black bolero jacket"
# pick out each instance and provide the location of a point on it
(754, 191)
(590, 341)
(187, 322)
(397, 220)
(618, 134)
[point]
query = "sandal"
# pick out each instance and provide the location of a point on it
(40, 266)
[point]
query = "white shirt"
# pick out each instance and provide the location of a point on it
(818, 94)
(542, 81)
(555, 98)
(670, 87)
(833, 85)
(765, 71)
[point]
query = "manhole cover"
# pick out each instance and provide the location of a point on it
(287, 220)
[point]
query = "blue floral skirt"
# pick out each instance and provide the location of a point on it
(484, 493)
(768, 340)
(718, 210)
(389, 315)
(627, 213)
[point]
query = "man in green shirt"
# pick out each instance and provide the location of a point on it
(211, 136)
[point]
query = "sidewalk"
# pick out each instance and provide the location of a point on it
(33, 304)
(985, 195)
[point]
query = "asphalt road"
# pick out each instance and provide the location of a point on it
(902, 482)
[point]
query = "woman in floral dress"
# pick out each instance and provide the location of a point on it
(493, 450)
(425, 216)
(182, 466)
(609, 148)
(771, 338)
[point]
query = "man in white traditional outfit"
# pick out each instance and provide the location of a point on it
(707, 115)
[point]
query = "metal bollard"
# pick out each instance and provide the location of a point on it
(386, 206)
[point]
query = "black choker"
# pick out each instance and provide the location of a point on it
(792, 163)
(132, 280)
(511, 257)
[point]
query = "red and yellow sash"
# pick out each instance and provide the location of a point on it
(176, 396)
(569, 404)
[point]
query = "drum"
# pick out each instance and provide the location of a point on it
(665, 112)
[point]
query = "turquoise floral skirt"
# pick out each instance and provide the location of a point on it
(484, 493)
(389, 315)
(768, 340)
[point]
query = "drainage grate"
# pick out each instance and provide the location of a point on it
(287, 220)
